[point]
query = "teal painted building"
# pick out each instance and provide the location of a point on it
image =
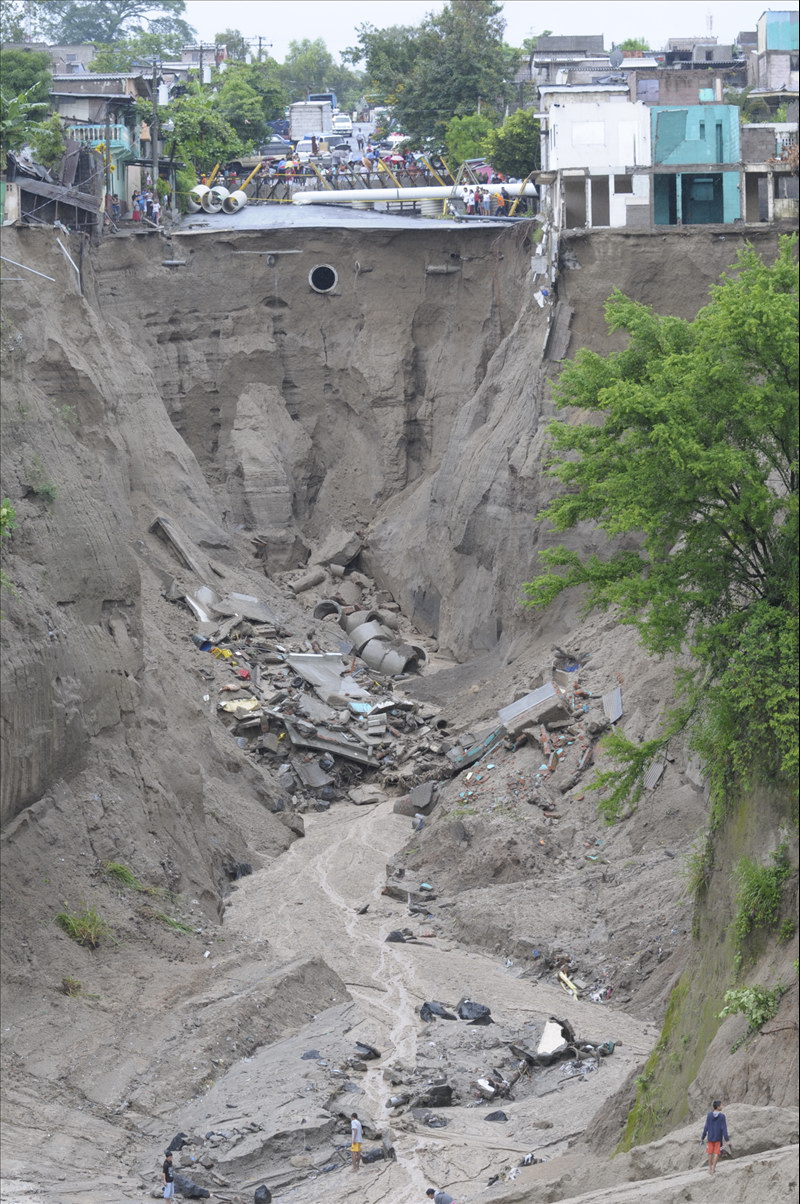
(705, 140)
(777, 31)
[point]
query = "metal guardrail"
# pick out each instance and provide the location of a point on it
(119, 135)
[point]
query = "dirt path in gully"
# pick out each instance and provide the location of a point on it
(307, 903)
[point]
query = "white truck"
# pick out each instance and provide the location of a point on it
(343, 125)
(309, 117)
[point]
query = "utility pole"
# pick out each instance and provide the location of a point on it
(154, 128)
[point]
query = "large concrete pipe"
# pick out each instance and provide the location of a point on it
(235, 201)
(214, 199)
(326, 608)
(342, 196)
(357, 617)
(196, 195)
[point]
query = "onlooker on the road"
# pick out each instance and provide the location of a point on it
(360, 141)
(156, 210)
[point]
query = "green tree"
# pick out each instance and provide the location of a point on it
(633, 45)
(452, 65)
(74, 21)
(308, 67)
(694, 467)
(235, 44)
(263, 79)
(140, 47)
(242, 107)
(18, 117)
(202, 135)
(465, 137)
(26, 71)
(515, 148)
(48, 142)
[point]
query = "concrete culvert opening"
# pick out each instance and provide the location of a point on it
(322, 278)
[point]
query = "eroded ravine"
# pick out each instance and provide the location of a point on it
(307, 902)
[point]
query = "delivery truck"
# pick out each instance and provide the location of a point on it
(307, 117)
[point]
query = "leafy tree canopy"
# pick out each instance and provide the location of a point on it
(465, 137)
(136, 51)
(235, 44)
(515, 148)
(310, 67)
(25, 71)
(18, 119)
(67, 22)
(633, 45)
(202, 135)
(452, 64)
(695, 466)
(48, 141)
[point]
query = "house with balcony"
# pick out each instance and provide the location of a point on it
(595, 145)
(99, 112)
(696, 164)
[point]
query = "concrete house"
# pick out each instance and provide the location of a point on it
(774, 66)
(99, 112)
(696, 164)
(595, 141)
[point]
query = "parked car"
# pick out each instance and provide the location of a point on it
(341, 124)
(276, 148)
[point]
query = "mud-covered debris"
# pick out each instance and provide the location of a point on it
(498, 1115)
(432, 1010)
(434, 1095)
(377, 1154)
(399, 936)
(367, 1052)
(310, 1055)
(262, 1195)
(474, 1013)
(177, 1143)
(191, 1190)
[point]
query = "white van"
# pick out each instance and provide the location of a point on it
(342, 124)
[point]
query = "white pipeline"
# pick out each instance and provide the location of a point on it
(347, 196)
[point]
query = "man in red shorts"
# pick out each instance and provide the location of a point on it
(715, 1132)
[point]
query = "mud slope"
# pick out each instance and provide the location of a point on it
(222, 393)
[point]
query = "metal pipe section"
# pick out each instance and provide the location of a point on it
(348, 196)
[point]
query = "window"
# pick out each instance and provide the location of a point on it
(702, 131)
(72, 58)
(623, 184)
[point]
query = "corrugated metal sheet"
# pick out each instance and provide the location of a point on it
(514, 709)
(653, 775)
(612, 704)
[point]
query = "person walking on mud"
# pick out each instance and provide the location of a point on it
(168, 1177)
(715, 1132)
(356, 1139)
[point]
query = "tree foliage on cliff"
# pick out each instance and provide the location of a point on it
(450, 65)
(693, 468)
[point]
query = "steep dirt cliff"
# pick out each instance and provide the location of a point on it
(204, 380)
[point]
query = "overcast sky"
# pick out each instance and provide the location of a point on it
(280, 22)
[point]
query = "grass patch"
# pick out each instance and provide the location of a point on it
(86, 927)
(760, 894)
(122, 875)
(71, 987)
(175, 925)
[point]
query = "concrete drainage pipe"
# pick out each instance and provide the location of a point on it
(214, 199)
(351, 621)
(326, 608)
(236, 201)
(366, 632)
(196, 197)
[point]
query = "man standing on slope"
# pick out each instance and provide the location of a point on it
(715, 1132)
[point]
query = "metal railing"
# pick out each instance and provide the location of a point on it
(119, 135)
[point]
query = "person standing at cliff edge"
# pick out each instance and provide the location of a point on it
(356, 1138)
(715, 1132)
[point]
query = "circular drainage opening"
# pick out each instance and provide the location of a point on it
(322, 278)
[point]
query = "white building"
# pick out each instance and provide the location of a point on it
(593, 141)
